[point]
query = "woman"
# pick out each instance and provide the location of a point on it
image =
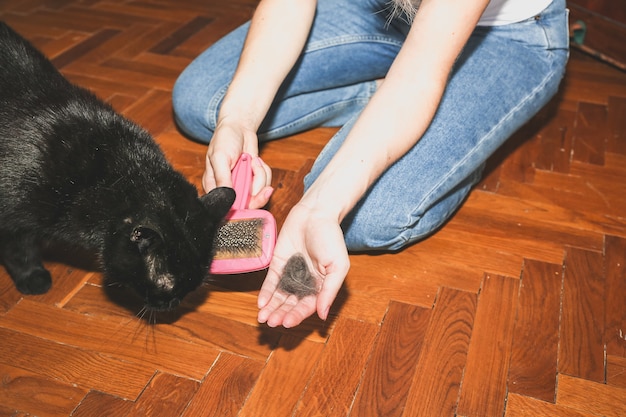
(423, 98)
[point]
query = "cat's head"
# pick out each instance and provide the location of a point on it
(164, 251)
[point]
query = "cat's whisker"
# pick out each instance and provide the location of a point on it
(140, 319)
(141, 314)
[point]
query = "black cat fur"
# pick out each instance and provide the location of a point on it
(73, 171)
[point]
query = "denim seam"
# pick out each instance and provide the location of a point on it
(544, 31)
(211, 111)
(344, 40)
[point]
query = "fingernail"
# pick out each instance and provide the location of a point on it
(269, 193)
(325, 314)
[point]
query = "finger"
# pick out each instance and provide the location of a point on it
(331, 285)
(208, 180)
(261, 199)
(261, 175)
(277, 316)
(277, 301)
(221, 169)
(301, 311)
(267, 169)
(268, 288)
(327, 296)
(289, 311)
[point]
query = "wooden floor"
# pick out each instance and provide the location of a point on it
(515, 308)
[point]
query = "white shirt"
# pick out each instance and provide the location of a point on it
(502, 12)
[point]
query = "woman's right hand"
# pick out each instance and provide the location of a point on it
(228, 143)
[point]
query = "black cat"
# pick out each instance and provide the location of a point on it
(75, 172)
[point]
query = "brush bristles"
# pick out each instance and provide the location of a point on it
(241, 238)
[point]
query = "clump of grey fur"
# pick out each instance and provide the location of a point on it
(296, 278)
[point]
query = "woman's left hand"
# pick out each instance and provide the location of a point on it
(320, 241)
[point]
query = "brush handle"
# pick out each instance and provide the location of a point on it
(242, 181)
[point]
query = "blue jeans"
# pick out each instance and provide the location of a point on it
(503, 77)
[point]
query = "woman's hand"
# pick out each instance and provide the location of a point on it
(320, 241)
(277, 34)
(227, 144)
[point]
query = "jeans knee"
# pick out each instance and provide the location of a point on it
(381, 227)
(388, 235)
(190, 109)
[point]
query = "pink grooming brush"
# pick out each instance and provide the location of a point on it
(245, 240)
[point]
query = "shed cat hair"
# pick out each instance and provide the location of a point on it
(76, 173)
(408, 8)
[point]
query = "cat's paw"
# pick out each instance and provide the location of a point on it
(37, 282)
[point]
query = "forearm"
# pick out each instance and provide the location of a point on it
(386, 129)
(402, 108)
(278, 32)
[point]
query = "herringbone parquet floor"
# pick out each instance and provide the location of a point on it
(515, 308)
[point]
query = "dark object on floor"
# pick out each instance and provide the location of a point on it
(74, 172)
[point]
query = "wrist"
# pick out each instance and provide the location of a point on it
(236, 121)
(330, 199)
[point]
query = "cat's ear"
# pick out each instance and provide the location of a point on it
(219, 200)
(145, 237)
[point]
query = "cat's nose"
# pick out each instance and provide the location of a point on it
(163, 305)
(174, 302)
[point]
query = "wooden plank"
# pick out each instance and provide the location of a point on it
(209, 323)
(371, 282)
(291, 365)
(592, 82)
(56, 46)
(152, 111)
(387, 379)
(66, 280)
(519, 165)
(226, 387)
(616, 142)
(536, 227)
(581, 347)
(9, 295)
(556, 142)
(180, 35)
(532, 371)
(35, 394)
(587, 198)
(615, 291)
(133, 341)
(137, 79)
(591, 397)
(435, 387)
(157, 10)
(221, 25)
(590, 134)
(73, 365)
(101, 404)
(457, 250)
(616, 371)
(96, 84)
(166, 395)
(485, 381)
(522, 406)
(83, 48)
(334, 383)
